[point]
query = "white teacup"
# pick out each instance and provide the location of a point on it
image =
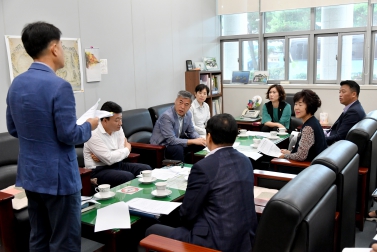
(256, 142)
(242, 131)
(273, 134)
(161, 188)
(147, 175)
(103, 190)
(282, 130)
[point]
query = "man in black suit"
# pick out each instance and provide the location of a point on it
(352, 113)
(218, 209)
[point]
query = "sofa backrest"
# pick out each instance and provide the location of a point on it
(363, 134)
(301, 216)
(157, 111)
(9, 147)
(137, 125)
(343, 159)
(295, 122)
(372, 115)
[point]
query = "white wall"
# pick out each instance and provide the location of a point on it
(237, 96)
(146, 43)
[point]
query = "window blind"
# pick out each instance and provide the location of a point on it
(225, 7)
(275, 5)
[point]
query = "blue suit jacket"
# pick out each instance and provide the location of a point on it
(345, 122)
(218, 209)
(166, 129)
(41, 114)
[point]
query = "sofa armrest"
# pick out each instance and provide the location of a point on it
(164, 244)
(85, 181)
(157, 150)
(286, 162)
(7, 223)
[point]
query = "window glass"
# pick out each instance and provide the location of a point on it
(275, 59)
(230, 59)
(341, 16)
(327, 50)
(238, 24)
(352, 57)
(288, 20)
(374, 15)
(250, 58)
(298, 58)
(375, 58)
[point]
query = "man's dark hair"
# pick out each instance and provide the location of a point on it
(353, 86)
(223, 129)
(310, 98)
(200, 87)
(111, 107)
(37, 36)
(280, 90)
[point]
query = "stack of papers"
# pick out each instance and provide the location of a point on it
(269, 148)
(165, 174)
(152, 207)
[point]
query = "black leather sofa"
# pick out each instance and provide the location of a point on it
(158, 110)
(301, 216)
(295, 122)
(343, 159)
(13, 223)
(137, 127)
(364, 135)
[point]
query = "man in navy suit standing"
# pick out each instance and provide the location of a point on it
(353, 112)
(41, 114)
(218, 209)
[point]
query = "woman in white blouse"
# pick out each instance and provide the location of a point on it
(200, 109)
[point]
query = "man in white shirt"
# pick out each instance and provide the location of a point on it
(107, 148)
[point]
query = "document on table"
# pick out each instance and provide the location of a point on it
(154, 207)
(115, 215)
(93, 112)
(248, 151)
(269, 148)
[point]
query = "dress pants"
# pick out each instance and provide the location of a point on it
(55, 221)
(178, 152)
(118, 173)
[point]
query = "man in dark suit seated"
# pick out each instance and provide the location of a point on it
(352, 113)
(218, 209)
(175, 130)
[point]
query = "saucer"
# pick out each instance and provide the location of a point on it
(98, 196)
(141, 180)
(253, 146)
(242, 135)
(282, 133)
(167, 192)
(273, 138)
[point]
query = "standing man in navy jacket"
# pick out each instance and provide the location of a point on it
(353, 112)
(41, 114)
(218, 209)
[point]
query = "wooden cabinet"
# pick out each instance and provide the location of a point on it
(213, 79)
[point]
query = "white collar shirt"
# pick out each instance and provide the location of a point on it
(200, 116)
(107, 148)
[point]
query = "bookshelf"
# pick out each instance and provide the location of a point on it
(213, 79)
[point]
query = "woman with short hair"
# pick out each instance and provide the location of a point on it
(200, 110)
(311, 141)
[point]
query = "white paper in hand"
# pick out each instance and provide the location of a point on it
(93, 112)
(269, 148)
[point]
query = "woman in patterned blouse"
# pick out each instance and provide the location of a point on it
(311, 141)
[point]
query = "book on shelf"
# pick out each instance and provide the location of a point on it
(213, 108)
(218, 110)
(204, 79)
